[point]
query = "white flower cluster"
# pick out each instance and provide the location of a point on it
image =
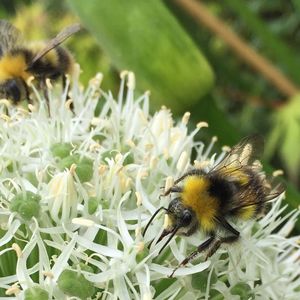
(77, 188)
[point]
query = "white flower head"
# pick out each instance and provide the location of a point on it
(94, 180)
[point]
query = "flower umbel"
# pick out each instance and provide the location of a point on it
(78, 188)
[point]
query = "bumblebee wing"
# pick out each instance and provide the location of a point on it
(246, 152)
(248, 198)
(10, 37)
(62, 36)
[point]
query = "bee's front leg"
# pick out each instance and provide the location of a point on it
(202, 247)
(173, 189)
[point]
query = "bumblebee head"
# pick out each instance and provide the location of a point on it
(181, 220)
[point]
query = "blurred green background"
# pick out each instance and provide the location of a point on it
(186, 65)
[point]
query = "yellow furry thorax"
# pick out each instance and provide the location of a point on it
(12, 66)
(196, 196)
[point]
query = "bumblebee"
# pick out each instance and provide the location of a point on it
(20, 61)
(234, 189)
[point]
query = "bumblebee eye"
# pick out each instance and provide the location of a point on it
(186, 218)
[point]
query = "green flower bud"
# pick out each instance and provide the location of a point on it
(73, 283)
(243, 290)
(84, 166)
(61, 150)
(84, 171)
(29, 209)
(67, 161)
(36, 293)
(26, 204)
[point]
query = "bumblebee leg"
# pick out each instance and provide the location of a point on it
(229, 239)
(173, 189)
(27, 92)
(202, 247)
(189, 173)
(217, 243)
(223, 222)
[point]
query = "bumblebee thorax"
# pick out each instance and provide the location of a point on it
(12, 66)
(196, 195)
(193, 187)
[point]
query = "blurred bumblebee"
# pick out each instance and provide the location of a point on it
(236, 188)
(19, 61)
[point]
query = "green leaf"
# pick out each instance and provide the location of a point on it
(144, 37)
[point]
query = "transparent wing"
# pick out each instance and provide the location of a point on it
(10, 37)
(248, 196)
(246, 152)
(62, 36)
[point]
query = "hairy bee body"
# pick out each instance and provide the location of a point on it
(20, 61)
(212, 196)
(236, 188)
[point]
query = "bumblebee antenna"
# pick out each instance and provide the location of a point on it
(169, 239)
(152, 218)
